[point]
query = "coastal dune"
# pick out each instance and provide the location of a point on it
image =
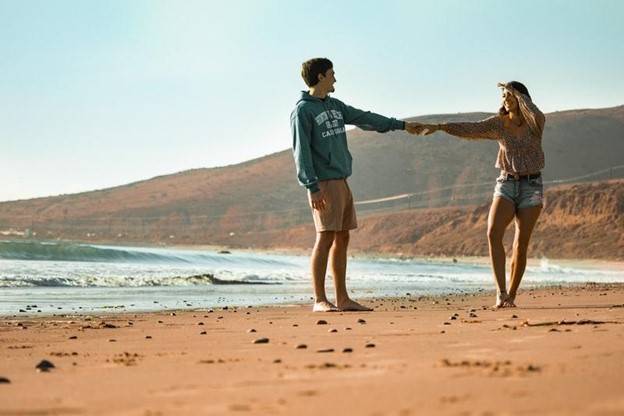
(559, 353)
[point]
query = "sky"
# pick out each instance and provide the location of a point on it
(102, 93)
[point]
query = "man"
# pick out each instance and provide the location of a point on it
(323, 165)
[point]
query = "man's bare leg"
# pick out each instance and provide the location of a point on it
(338, 255)
(318, 264)
(501, 213)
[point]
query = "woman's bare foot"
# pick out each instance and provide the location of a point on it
(324, 306)
(352, 306)
(501, 299)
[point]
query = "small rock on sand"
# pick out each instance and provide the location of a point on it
(251, 330)
(73, 337)
(202, 333)
(301, 346)
(333, 330)
(321, 322)
(4, 380)
(325, 350)
(148, 337)
(261, 341)
(370, 345)
(347, 350)
(361, 321)
(44, 366)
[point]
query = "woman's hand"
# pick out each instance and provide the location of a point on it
(428, 129)
(507, 86)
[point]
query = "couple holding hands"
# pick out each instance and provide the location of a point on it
(323, 165)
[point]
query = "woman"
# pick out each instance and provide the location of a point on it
(519, 191)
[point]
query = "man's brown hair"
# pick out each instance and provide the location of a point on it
(311, 69)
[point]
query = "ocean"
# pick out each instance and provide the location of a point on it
(62, 278)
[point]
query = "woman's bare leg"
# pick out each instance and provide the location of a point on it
(501, 213)
(526, 219)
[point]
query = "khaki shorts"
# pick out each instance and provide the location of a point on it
(339, 212)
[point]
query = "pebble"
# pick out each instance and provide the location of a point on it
(73, 337)
(44, 366)
(333, 330)
(277, 361)
(347, 350)
(251, 330)
(301, 346)
(4, 380)
(361, 321)
(370, 345)
(200, 323)
(325, 350)
(321, 322)
(261, 341)
(202, 333)
(148, 337)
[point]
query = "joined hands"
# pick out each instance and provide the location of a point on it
(421, 129)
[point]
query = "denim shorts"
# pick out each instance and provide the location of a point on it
(523, 193)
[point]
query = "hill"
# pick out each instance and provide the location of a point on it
(215, 205)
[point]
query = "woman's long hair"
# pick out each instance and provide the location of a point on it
(521, 88)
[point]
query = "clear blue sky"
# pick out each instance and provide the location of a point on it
(101, 93)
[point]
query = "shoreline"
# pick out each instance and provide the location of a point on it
(113, 311)
(412, 355)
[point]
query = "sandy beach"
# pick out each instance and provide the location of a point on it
(560, 352)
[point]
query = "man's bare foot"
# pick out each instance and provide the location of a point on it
(501, 299)
(352, 306)
(510, 302)
(324, 306)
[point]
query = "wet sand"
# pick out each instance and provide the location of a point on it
(560, 352)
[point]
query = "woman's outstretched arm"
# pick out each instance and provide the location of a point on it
(490, 128)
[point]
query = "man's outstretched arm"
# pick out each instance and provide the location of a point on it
(367, 120)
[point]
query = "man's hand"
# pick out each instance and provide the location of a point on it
(317, 200)
(413, 127)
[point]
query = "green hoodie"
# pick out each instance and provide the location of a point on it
(319, 138)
